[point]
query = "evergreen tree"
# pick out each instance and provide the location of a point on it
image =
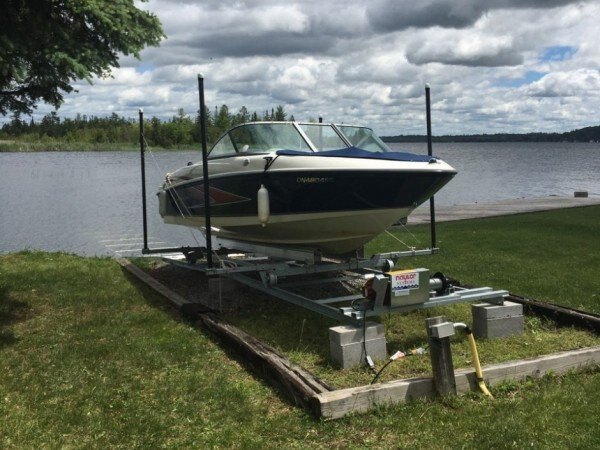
(47, 45)
(280, 113)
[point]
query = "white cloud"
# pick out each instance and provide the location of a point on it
(576, 83)
(465, 48)
(367, 62)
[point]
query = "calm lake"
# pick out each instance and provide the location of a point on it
(90, 203)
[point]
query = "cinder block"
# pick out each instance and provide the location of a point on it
(350, 355)
(494, 321)
(347, 334)
(346, 344)
(497, 328)
(489, 311)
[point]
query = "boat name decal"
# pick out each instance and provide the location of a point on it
(314, 180)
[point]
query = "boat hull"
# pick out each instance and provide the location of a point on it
(333, 211)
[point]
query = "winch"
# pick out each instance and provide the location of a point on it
(407, 287)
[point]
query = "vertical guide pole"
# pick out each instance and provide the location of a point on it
(209, 255)
(430, 153)
(143, 168)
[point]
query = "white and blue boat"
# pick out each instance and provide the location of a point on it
(325, 187)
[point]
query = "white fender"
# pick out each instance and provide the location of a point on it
(264, 209)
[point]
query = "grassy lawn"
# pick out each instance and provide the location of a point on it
(552, 256)
(90, 358)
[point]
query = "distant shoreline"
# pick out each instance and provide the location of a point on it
(583, 135)
(588, 134)
(31, 147)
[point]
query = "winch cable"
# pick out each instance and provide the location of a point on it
(178, 200)
(412, 235)
(410, 247)
(170, 183)
(401, 241)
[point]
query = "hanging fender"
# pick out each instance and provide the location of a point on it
(264, 210)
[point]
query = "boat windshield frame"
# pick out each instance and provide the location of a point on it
(261, 139)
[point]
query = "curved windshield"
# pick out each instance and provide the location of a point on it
(260, 138)
(363, 138)
(323, 137)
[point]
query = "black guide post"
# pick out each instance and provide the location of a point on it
(209, 255)
(143, 168)
(430, 153)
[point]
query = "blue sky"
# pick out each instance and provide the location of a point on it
(502, 66)
(528, 78)
(558, 53)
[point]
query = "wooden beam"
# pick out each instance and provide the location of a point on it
(174, 298)
(336, 404)
(296, 383)
(441, 359)
(560, 314)
(339, 403)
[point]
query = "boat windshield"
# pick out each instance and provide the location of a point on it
(260, 138)
(267, 137)
(363, 138)
(323, 137)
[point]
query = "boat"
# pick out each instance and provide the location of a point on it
(325, 187)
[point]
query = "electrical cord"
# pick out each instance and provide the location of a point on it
(399, 354)
(364, 305)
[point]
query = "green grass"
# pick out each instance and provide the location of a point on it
(89, 358)
(552, 256)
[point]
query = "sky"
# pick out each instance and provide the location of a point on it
(494, 66)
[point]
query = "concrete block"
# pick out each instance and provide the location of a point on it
(489, 311)
(494, 321)
(346, 344)
(497, 328)
(347, 334)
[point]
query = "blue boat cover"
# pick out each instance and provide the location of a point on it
(355, 152)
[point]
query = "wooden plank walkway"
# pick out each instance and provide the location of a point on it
(500, 208)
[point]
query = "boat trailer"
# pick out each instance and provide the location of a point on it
(379, 286)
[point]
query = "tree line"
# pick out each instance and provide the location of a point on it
(587, 134)
(178, 131)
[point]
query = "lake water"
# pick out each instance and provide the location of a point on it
(89, 203)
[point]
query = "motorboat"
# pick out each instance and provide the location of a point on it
(327, 187)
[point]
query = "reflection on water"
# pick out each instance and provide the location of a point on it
(90, 203)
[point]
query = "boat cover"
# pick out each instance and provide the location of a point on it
(355, 152)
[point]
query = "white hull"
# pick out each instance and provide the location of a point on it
(332, 233)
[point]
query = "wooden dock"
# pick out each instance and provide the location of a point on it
(445, 213)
